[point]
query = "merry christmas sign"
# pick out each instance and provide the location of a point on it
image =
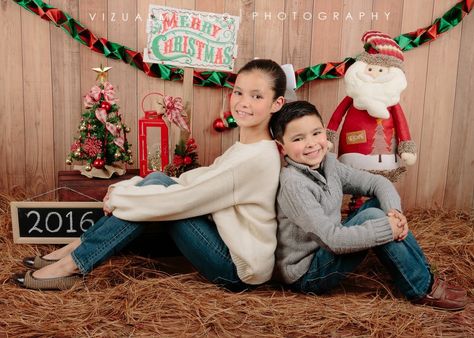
(188, 38)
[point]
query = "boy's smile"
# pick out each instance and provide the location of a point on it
(305, 141)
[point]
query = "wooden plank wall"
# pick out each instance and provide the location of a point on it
(46, 74)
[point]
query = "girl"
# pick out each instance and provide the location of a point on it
(235, 246)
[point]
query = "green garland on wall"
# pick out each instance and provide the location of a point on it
(324, 71)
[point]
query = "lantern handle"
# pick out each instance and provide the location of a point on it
(152, 93)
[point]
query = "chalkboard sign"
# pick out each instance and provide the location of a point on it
(52, 222)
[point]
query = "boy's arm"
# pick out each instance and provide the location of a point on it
(303, 210)
(355, 181)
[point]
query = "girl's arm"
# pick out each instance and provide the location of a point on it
(232, 179)
(214, 191)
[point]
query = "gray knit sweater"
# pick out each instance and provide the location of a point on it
(309, 214)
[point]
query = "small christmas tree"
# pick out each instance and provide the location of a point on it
(102, 137)
(185, 158)
(380, 146)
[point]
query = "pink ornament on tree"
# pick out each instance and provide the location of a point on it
(92, 146)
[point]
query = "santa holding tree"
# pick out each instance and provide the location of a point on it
(374, 134)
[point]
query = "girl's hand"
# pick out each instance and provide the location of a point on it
(107, 211)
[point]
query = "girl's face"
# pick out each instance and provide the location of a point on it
(252, 101)
(305, 141)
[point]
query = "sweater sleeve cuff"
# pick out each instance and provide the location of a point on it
(382, 230)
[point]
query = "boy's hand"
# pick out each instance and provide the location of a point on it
(403, 224)
(396, 229)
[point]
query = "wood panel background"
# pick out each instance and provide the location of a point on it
(46, 73)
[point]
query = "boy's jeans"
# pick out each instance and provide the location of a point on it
(197, 238)
(404, 260)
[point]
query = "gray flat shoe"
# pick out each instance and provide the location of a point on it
(26, 280)
(37, 262)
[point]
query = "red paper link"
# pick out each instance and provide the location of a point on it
(467, 7)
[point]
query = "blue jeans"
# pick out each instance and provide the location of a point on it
(403, 259)
(197, 239)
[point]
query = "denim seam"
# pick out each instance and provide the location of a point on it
(402, 272)
(320, 268)
(99, 250)
(200, 233)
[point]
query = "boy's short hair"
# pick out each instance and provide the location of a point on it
(289, 112)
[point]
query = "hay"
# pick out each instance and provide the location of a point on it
(142, 297)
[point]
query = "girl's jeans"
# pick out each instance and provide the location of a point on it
(197, 239)
(404, 260)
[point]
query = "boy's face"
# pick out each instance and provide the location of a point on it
(305, 141)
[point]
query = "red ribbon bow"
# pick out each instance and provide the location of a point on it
(108, 92)
(174, 111)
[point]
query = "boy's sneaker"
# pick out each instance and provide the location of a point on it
(444, 296)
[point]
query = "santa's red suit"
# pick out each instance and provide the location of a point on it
(363, 135)
(374, 133)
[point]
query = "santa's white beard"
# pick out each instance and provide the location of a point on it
(374, 95)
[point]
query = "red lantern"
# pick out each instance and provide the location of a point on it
(152, 141)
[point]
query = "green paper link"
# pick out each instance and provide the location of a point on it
(109, 49)
(213, 79)
(317, 72)
(448, 21)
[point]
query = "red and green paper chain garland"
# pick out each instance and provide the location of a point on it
(323, 71)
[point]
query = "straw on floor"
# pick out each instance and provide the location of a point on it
(138, 296)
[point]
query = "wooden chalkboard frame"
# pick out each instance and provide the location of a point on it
(16, 226)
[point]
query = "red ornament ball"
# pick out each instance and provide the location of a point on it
(99, 163)
(219, 125)
(187, 160)
(105, 105)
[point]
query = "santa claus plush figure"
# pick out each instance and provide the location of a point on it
(374, 134)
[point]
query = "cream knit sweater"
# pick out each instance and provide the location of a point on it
(238, 189)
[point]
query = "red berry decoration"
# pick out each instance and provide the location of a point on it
(99, 163)
(187, 160)
(219, 125)
(105, 105)
(177, 160)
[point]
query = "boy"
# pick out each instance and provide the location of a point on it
(315, 251)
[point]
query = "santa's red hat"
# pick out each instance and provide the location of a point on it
(381, 49)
